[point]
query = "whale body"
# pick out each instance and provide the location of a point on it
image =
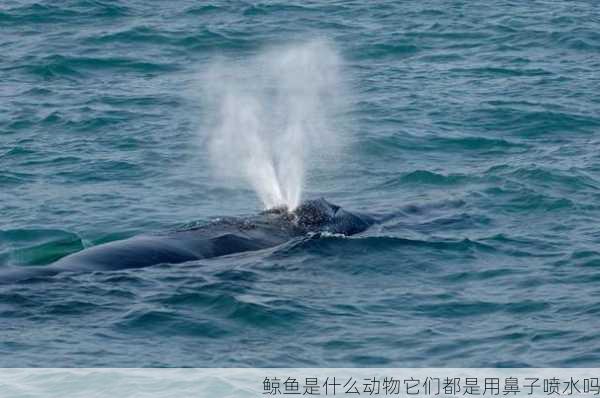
(219, 238)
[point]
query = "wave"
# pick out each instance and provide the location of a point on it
(573, 179)
(27, 247)
(391, 145)
(202, 9)
(73, 67)
(332, 244)
(47, 12)
(163, 322)
(533, 123)
(274, 9)
(497, 72)
(428, 178)
(455, 309)
(387, 50)
(152, 36)
(482, 144)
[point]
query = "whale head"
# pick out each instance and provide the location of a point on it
(319, 215)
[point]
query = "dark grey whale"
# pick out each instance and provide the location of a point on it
(225, 236)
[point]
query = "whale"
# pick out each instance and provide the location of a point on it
(221, 237)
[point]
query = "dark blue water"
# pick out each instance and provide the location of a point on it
(474, 129)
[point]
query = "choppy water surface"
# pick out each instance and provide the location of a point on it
(473, 129)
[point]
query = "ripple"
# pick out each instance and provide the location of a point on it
(427, 177)
(59, 66)
(500, 73)
(351, 245)
(42, 12)
(472, 309)
(532, 124)
(388, 50)
(167, 323)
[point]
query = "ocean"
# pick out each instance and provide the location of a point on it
(469, 129)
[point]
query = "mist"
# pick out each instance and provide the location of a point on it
(272, 117)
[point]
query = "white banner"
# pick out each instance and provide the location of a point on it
(303, 382)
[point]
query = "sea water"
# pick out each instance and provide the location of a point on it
(472, 130)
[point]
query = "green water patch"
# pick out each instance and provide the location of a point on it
(29, 247)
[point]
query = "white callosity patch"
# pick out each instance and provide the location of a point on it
(272, 115)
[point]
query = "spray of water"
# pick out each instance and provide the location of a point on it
(272, 115)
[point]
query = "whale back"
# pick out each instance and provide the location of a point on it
(219, 238)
